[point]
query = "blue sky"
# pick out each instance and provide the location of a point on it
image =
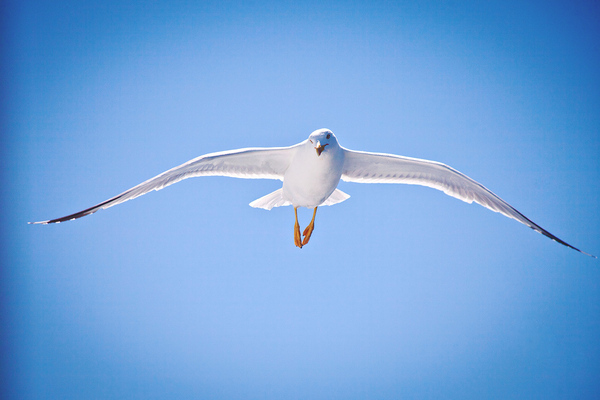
(403, 292)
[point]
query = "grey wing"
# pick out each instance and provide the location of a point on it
(254, 163)
(366, 167)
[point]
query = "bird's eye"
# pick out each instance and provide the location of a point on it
(312, 141)
(328, 136)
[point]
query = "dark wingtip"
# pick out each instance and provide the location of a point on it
(50, 221)
(575, 248)
(581, 251)
(544, 232)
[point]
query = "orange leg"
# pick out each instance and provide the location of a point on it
(309, 229)
(297, 237)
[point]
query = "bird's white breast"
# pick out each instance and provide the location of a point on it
(310, 179)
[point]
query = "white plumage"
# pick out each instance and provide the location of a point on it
(311, 171)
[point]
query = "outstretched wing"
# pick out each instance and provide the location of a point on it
(366, 167)
(256, 163)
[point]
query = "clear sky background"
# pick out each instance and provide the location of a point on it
(403, 292)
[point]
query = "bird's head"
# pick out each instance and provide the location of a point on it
(322, 138)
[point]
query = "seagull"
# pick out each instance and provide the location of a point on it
(311, 171)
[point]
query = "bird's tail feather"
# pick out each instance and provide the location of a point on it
(275, 199)
(271, 200)
(336, 197)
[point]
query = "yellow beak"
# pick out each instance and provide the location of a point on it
(320, 148)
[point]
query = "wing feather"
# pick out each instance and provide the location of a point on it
(251, 163)
(364, 167)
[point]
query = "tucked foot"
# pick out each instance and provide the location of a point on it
(297, 236)
(308, 232)
(309, 229)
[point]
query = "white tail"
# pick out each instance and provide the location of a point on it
(276, 199)
(271, 200)
(336, 197)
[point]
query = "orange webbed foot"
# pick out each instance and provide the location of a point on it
(309, 229)
(297, 236)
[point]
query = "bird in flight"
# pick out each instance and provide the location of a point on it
(311, 171)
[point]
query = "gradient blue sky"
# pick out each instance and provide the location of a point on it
(403, 292)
